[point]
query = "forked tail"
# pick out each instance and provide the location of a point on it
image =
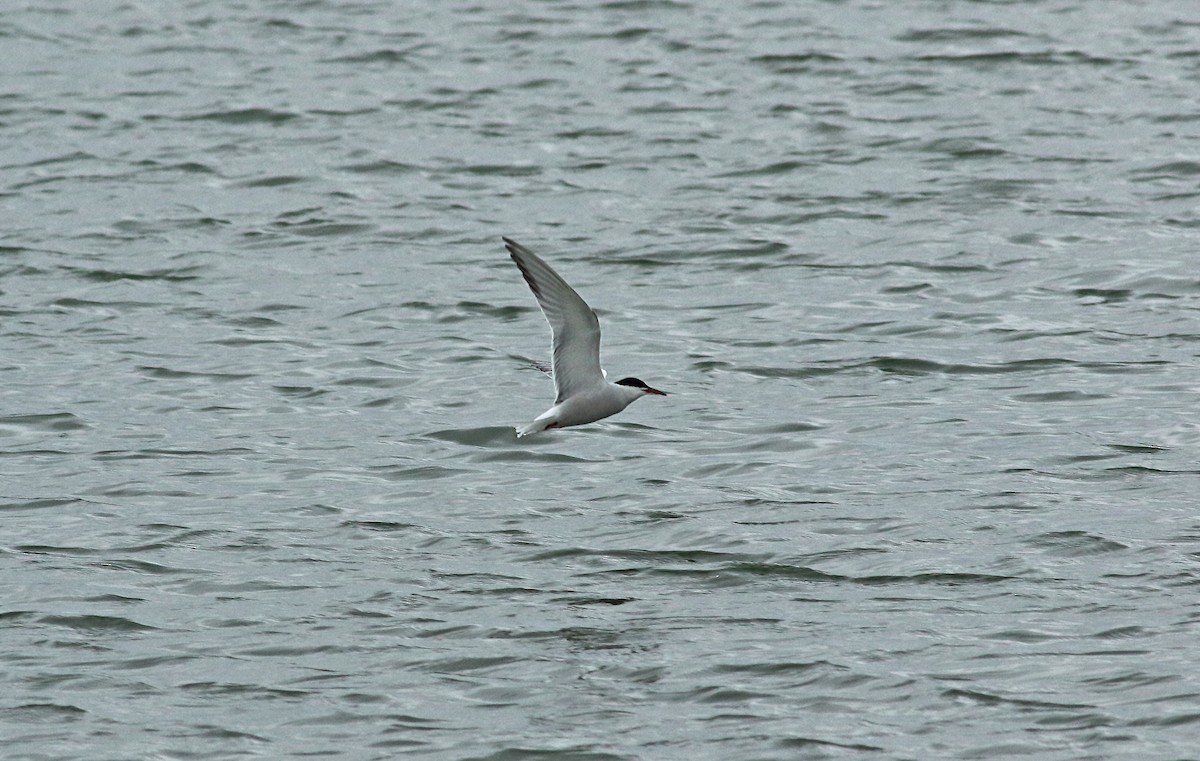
(540, 424)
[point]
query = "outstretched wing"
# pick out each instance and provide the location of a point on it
(576, 331)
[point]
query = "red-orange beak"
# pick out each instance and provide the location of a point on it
(649, 390)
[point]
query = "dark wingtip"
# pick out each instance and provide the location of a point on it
(513, 248)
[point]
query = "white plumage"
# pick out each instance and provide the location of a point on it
(584, 395)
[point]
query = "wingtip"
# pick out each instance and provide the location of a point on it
(511, 245)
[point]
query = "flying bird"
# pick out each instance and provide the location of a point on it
(584, 393)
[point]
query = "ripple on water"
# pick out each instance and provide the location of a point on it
(923, 288)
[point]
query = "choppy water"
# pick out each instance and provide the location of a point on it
(920, 277)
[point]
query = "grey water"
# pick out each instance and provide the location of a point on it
(921, 280)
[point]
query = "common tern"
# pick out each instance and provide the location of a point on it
(584, 393)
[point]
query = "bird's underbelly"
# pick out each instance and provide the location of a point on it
(586, 408)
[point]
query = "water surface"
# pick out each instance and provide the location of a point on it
(920, 278)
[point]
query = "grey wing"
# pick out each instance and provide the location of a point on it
(576, 331)
(548, 370)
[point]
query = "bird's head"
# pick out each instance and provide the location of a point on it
(638, 384)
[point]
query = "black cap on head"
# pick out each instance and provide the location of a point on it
(635, 383)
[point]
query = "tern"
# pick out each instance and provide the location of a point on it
(584, 394)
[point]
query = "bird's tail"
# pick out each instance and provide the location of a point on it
(540, 424)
